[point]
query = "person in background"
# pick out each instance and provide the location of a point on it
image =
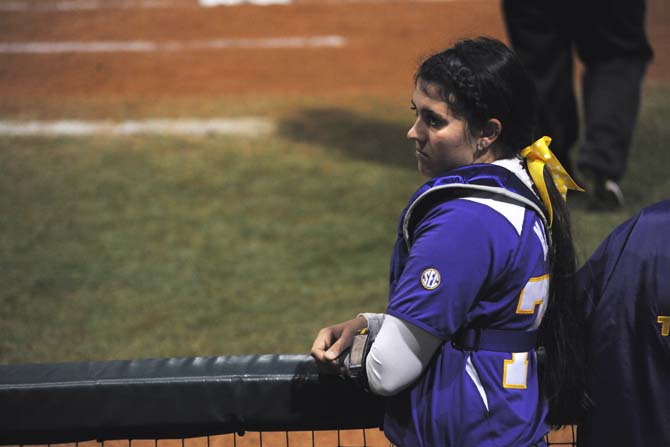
(482, 267)
(610, 40)
(625, 286)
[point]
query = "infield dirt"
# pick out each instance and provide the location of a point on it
(385, 40)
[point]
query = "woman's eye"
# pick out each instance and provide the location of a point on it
(429, 118)
(433, 121)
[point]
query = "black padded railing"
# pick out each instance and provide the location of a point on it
(178, 398)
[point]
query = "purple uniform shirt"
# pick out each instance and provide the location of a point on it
(471, 264)
(626, 289)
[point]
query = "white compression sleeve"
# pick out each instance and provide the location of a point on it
(398, 355)
(375, 322)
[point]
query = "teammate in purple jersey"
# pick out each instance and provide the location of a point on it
(625, 285)
(482, 266)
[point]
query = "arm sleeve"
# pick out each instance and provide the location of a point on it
(375, 322)
(399, 354)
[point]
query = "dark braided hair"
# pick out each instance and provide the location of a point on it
(480, 79)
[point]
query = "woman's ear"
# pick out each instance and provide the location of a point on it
(490, 132)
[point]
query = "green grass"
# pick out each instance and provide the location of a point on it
(141, 247)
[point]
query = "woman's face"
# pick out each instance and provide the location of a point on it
(441, 140)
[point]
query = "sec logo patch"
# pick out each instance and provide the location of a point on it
(430, 279)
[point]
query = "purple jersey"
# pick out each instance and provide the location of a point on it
(626, 290)
(474, 261)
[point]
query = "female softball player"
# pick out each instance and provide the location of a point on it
(483, 253)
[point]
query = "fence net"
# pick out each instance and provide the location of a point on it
(229, 401)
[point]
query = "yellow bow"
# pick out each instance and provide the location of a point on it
(537, 155)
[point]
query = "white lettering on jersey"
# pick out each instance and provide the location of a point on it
(515, 374)
(534, 294)
(539, 232)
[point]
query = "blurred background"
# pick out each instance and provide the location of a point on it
(181, 178)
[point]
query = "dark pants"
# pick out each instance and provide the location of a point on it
(610, 40)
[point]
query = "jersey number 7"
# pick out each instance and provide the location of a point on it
(532, 299)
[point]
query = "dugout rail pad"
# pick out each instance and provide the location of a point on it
(176, 398)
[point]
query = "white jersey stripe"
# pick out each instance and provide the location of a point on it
(472, 372)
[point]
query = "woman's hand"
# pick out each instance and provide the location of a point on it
(332, 341)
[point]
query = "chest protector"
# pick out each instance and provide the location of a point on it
(469, 181)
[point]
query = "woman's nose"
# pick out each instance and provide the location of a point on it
(413, 133)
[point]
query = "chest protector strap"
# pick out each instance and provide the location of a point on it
(474, 339)
(469, 181)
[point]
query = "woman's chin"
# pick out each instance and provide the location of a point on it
(423, 168)
(423, 171)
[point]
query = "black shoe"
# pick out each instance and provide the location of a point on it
(603, 194)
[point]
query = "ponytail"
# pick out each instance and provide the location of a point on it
(562, 332)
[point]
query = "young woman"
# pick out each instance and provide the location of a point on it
(483, 254)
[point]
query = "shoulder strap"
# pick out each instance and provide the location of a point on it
(467, 181)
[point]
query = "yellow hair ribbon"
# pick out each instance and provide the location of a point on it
(537, 156)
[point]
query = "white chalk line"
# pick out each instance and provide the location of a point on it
(214, 3)
(144, 46)
(89, 5)
(249, 126)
